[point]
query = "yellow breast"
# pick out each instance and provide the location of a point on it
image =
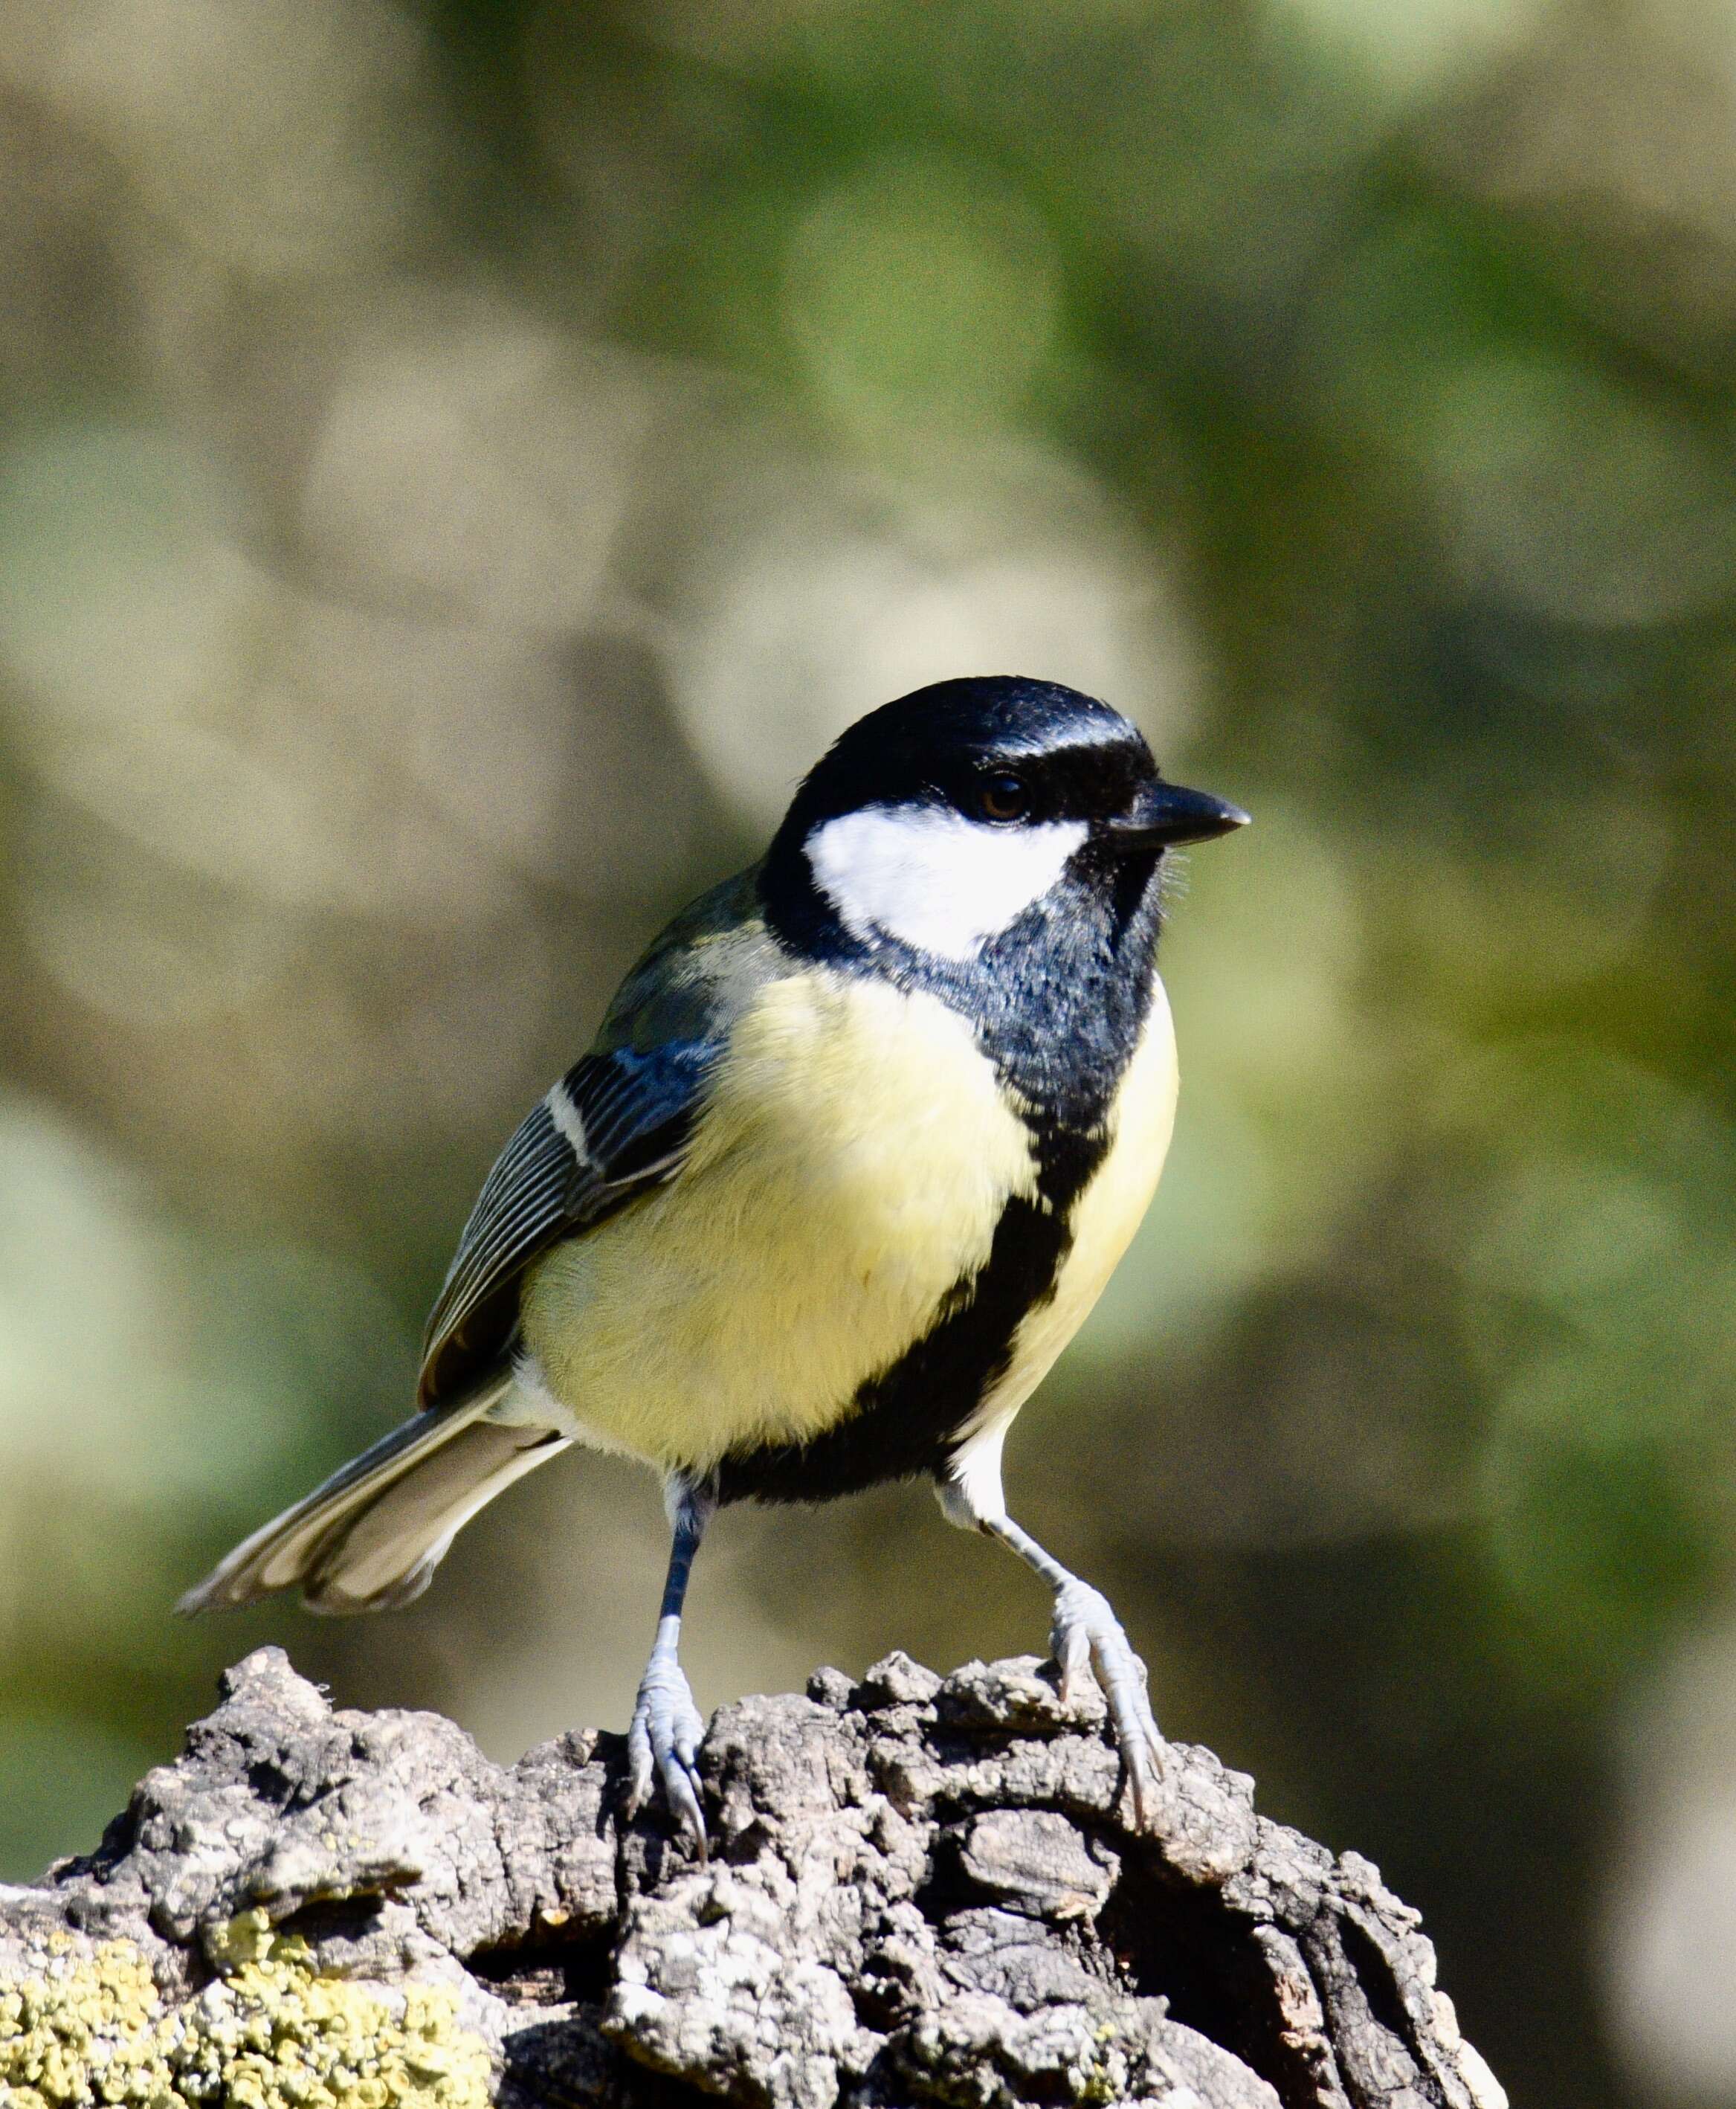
(851, 1164)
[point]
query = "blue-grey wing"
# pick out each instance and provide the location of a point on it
(615, 1125)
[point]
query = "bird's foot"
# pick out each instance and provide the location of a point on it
(1088, 1641)
(663, 1742)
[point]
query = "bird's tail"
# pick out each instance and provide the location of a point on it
(373, 1534)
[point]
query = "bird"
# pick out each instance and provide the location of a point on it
(862, 1137)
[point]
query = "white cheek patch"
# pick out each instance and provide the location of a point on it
(933, 879)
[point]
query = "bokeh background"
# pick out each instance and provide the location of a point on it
(459, 463)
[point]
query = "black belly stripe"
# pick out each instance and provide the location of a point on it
(909, 1419)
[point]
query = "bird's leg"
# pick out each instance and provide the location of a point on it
(667, 1727)
(1086, 1639)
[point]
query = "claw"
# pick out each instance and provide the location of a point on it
(1088, 1636)
(1071, 1645)
(663, 1742)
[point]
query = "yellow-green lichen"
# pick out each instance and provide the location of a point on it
(1103, 2075)
(91, 2028)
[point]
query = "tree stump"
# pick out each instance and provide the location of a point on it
(921, 1890)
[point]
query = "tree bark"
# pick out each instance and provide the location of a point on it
(921, 1891)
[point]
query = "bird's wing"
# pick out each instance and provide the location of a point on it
(615, 1125)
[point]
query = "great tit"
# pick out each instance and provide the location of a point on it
(860, 1141)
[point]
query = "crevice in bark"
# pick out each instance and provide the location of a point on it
(1210, 1972)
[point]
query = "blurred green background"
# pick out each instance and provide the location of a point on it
(458, 464)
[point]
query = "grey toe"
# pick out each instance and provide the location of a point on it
(663, 1743)
(1088, 1637)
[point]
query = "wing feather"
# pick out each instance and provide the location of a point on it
(615, 1125)
(624, 1121)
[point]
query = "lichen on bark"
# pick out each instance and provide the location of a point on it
(88, 2027)
(921, 1891)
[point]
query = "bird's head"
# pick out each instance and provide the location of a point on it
(938, 820)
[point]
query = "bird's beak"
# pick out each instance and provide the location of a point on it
(1165, 815)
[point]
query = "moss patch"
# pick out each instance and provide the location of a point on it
(91, 2028)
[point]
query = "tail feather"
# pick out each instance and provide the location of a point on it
(388, 1554)
(372, 1536)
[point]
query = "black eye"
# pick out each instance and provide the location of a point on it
(1003, 797)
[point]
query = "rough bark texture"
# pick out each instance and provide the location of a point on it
(922, 1890)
